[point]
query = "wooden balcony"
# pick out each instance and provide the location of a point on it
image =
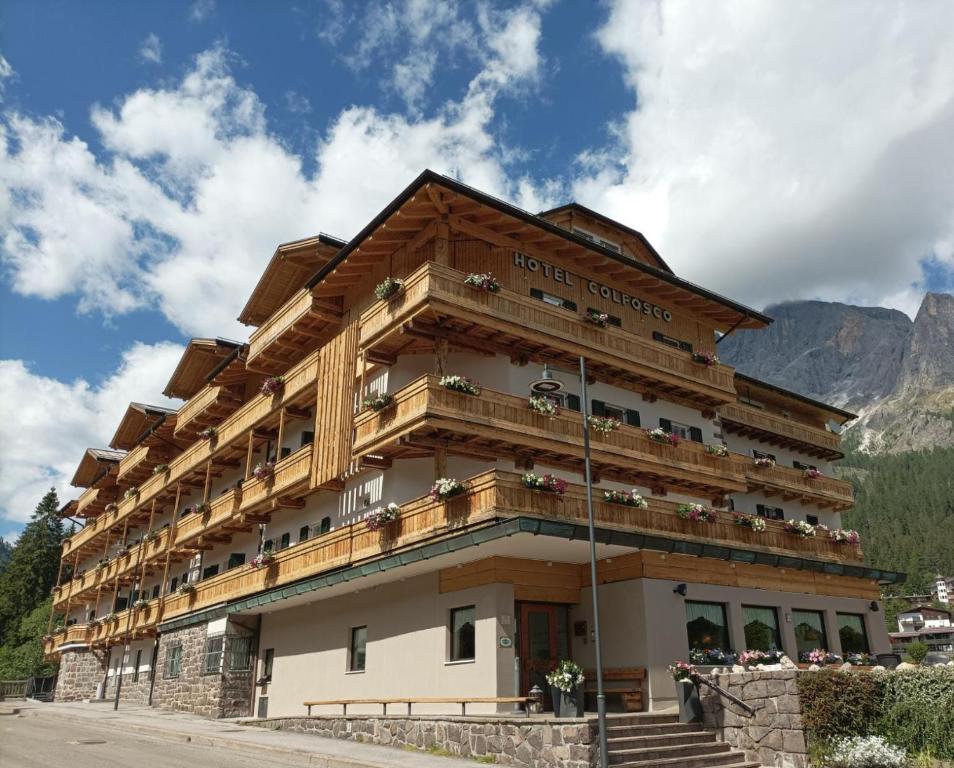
(435, 303)
(774, 429)
(789, 483)
(299, 384)
(209, 406)
(131, 461)
(301, 323)
(425, 416)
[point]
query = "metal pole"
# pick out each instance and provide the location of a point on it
(600, 695)
(133, 589)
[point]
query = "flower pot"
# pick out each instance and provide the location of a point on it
(567, 704)
(690, 707)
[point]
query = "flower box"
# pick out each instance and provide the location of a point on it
(548, 483)
(820, 656)
(102, 564)
(596, 318)
(379, 518)
(482, 281)
(209, 433)
(800, 528)
(110, 508)
(682, 672)
(759, 658)
(390, 287)
(264, 470)
(141, 604)
(160, 469)
(131, 493)
(460, 384)
(844, 536)
(660, 435)
(272, 385)
(712, 656)
(604, 424)
(262, 559)
(705, 358)
(543, 405)
(626, 498)
(697, 513)
(812, 474)
(754, 522)
(764, 462)
(717, 450)
(186, 589)
(446, 488)
(110, 618)
(377, 402)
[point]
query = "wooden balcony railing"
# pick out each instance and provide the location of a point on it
(131, 460)
(790, 483)
(208, 406)
(513, 323)
(738, 418)
(490, 496)
(303, 314)
(89, 499)
(249, 416)
(425, 414)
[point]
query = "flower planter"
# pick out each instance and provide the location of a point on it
(690, 707)
(567, 704)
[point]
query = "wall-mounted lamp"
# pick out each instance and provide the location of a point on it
(546, 383)
(681, 589)
(873, 605)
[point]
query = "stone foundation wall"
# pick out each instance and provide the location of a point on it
(775, 735)
(81, 671)
(517, 741)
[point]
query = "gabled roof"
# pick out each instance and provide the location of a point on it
(68, 509)
(138, 418)
(431, 198)
(571, 208)
(287, 271)
(95, 462)
(201, 357)
(925, 609)
(841, 416)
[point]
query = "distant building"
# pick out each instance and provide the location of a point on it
(931, 626)
(943, 588)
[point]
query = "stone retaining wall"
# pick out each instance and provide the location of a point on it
(81, 672)
(532, 743)
(775, 735)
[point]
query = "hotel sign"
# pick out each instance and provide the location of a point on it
(560, 275)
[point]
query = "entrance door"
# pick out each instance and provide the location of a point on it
(541, 645)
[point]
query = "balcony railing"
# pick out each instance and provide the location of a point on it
(426, 415)
(132, 460)
(512, 323)
(790, 483)
(490, 496)
(777, 430)
(249, 416)
(303, 314)
(208, 405)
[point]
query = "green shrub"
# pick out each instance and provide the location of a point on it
(918, 711)
(840, 704)
(917, 652)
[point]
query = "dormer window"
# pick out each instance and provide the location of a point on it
(597, 239)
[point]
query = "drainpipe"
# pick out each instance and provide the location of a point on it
(152, 668)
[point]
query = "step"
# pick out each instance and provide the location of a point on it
(710, 760)
(660, 740)
(664, 752)
(641, 718)
(624, 731)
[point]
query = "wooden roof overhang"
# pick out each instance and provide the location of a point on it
(68, 509)
(775, 437)
(412, 219)
(96, 467)
(138, 420)
(201, 358)
(287, 271)
(756, 389)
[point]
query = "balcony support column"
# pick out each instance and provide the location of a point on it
(165, 569)
(143, 543)
(59, 575)
(440, 352)
(440, 463)
(249, 454)
(442, 243)
(363, 362)
(281, 434)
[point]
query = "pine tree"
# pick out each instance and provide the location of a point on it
(30, 574)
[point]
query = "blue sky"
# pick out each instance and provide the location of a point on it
(153, 155)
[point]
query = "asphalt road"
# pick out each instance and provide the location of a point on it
(56, 741)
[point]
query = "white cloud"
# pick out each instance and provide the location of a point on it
(49, 423)
(192, 183)
(782, 151)
(297, 103)
(6, 72)
(151, 49)
(200, 10)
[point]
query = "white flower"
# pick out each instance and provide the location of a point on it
(866, 752)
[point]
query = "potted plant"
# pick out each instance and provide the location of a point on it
(626, 498)
(706, 358)
(759, 658)
(660, 435)
(861, 659)
(160, 469)
(482, 281)
(141, 604)
(566, 688)
(446, 488)
(698, 513)
(388, 288)
(209, 433)
(110, 618)
(110, 508)
(94, 622)
(596, 317)
(548, 483)
(262, 559)
(272, 385)
(186, 588)
(764, 462)
(543, 405)
(717, 450)
(202, 507)
(604, 424)
(131, 493)
(102, 563)
(844, 536)
(460, 384)
(813, 474)
(150, 536)
(820, 656)
(711, 656)
(687, 691)
(377, 402)
(799, 528)
(264, 470)
(754, 522)
(380, 517)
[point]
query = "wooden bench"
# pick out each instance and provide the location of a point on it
(462, 700)
(625, 682)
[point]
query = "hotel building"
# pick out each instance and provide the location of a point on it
(237, 557)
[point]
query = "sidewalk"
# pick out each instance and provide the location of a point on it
(310, 750)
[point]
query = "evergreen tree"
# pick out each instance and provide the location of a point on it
(31, 572)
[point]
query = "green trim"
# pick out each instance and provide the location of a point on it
(209, 614)
(559, 530)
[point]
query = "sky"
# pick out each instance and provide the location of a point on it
(153, 154)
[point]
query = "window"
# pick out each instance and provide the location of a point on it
(555, 301)
(173, 661)
(682, 431)
(303, 534)
(811, 519)
(267, 545)
(307, 438)
(625, 415)
(761, 628)
(800, 465)
(596, 239)
(325, 525)
(211, 571)
(669, 341)
(706, 625)
(772, 513)
(155, 591)
(356, 653)
(610, 319)
(762, 455)
(240, 654)
(285, 541)
(462, 626)
(851, 631)
(212, 655)
(809, 631)
(136, 668)
(235, 560)
(267, 662)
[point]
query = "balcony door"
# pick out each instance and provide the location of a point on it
(543, 643)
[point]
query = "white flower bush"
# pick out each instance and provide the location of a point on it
(866, 752)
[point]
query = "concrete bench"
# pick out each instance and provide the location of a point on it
(625, 682)
(463, 701)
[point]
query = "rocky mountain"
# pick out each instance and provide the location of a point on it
(897, 375)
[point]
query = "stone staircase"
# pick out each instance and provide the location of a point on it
(647, 740)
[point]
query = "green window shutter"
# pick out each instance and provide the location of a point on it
(573, 402)
(666, 425)
(695, 434)
(598, 407)
(632, 418)
(536, 293)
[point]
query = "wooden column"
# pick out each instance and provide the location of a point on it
(440, 354)
(69, 595)
(169, 543)
(442, 243)
(250, 454)
(59, 575)
(440, 463)
(207, 491)
(281, 434)
(363, 362)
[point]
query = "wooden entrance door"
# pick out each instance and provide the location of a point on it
(539, 647)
